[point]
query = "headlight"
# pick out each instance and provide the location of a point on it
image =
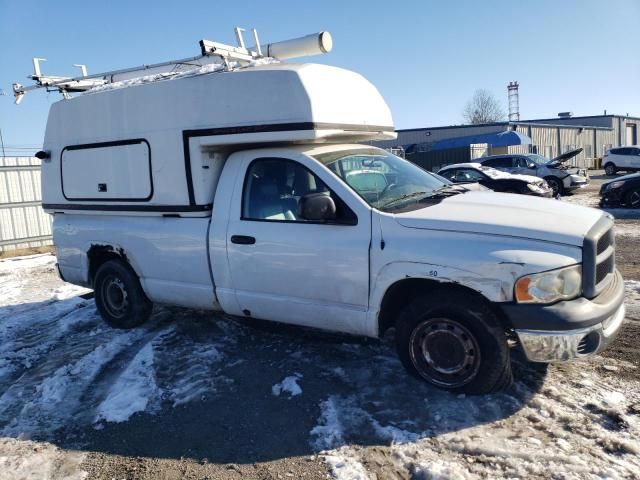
(535, 188)
(551, 286)
(617, 184)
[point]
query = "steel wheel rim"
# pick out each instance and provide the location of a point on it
(609, 170)
(114, 294)
(444, 352)
(554, 186)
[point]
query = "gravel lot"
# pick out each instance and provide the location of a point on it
(193, 395)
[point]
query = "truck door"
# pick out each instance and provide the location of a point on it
(288, 269)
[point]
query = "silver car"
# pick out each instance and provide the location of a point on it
(561, 178)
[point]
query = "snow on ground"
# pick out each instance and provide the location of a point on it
(288, 385)
(632, 298)
(62, 368)
(627, 228)
(134, 391)
(575, 424)
(60, 364)
(25, 460)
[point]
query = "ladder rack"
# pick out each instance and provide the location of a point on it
(227, 56)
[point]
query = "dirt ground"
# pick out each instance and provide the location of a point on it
(211, 397)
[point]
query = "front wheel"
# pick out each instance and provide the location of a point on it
(119, 296)
(632, 198)
(556, 186)
(454, 341)
(610, 169)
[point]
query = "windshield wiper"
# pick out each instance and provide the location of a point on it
(447, 191)
(403, 197)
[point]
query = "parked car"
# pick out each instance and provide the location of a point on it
(621, 159)
(561, 178)
(496, 180)
(261, 206)
(621, 191)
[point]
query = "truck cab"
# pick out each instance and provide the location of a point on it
(246, 191)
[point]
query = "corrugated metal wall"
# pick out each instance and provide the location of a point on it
(23, 223)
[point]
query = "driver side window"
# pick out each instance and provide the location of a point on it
(520, 162)
(273, 188)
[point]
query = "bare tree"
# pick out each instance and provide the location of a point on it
(483, 108)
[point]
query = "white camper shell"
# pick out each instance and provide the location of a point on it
(156, 147)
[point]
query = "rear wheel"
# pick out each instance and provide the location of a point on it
(454, 341)
(556, 185)
(610, 169)
(119, 296)
(632, 198)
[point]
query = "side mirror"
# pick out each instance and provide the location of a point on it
(317, 207)
(532, 165)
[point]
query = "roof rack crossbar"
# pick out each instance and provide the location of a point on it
(211, 52)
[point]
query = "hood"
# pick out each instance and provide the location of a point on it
(495, 174)
(526, 178)
(509, 215)
(632, 176)
(564, 157)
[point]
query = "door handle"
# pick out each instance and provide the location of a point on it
(243, 239)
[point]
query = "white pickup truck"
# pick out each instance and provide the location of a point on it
(242, 190)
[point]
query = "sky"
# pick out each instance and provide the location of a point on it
(426, 57)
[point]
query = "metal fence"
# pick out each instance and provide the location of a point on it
(23, 223)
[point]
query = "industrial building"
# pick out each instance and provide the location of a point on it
(435, 147)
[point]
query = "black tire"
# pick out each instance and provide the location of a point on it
(119, 296)
(610, 169)
(556, 185)
(466, 339)
(632, 198)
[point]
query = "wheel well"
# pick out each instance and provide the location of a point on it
(99, 254)
(402, 292)
(609, 163)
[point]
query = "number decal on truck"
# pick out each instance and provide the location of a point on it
(433, 273)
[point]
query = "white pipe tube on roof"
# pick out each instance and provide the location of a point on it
(309, 45)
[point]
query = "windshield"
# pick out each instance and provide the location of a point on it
(539, 159)
(383, 180)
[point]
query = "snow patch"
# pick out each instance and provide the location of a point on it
(134, 390)
(344, 467)
(26, 460)
(288, 385)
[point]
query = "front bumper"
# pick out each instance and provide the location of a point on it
(559, 346)
(543, 194)
(610, 197)
(571, 329)
(574, 181)
(576, 185)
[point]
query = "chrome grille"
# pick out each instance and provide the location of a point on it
(605, 241)
(604, 268)
(598, 259)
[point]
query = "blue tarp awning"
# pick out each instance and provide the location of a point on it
(500, 139)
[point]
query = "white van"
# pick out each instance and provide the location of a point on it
(242, 190)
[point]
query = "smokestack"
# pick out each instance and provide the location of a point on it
(514, 101)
